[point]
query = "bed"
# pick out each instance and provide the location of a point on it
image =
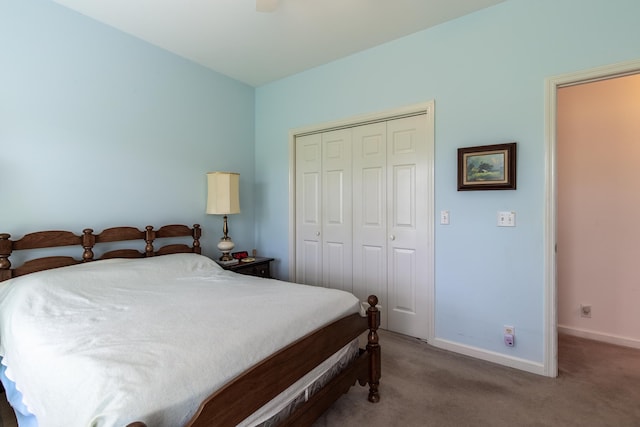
(173, 350)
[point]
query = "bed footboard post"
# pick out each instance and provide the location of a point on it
(373, 348)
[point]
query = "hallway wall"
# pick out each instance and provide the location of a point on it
(598, 156)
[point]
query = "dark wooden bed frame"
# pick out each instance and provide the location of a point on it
(258, 385)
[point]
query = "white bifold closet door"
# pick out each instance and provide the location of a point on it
(323, 209)
(390, 221)
(361, 216)
(308, 209)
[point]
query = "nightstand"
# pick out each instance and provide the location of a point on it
(260, 267)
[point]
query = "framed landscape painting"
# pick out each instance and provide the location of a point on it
(487, 167)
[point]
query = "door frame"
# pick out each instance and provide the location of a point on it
(427, 108)
(552, 84)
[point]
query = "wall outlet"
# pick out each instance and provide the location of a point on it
(585, 310)
(509, 335)
(509, 340)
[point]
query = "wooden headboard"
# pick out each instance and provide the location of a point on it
(87, 241)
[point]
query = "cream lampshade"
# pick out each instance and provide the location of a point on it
(223, 198)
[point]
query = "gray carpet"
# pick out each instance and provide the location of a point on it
(598, 385)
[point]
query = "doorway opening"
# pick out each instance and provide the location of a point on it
(551, 205)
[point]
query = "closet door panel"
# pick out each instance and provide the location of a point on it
(370, 213)
(335, 275)
(403, 282)
(372, 273)
(308, 262)
(407, 226)
(337, 209)
(308, 210)
(373, 185)
(404, 198)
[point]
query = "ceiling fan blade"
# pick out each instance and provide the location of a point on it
(266, 5)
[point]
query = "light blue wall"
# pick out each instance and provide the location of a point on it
(99, 129)
(486, 73)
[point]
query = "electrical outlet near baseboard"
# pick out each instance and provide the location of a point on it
(585, 310)
(509, 333)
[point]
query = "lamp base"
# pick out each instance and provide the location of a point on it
(226, 246)
(227, 258)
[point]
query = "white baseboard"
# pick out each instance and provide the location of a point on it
(490, 356)
(599, 336)
(528, 365)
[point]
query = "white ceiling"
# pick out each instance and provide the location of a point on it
(230, 37)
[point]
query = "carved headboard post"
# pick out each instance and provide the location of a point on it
(5, 253)
(197, 232)
(150, 236)
(88, 242)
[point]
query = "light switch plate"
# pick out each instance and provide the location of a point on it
(506, 219)
(444, 217)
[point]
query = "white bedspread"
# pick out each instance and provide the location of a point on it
(110, 342)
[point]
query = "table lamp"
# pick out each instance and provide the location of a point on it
(223, 198)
